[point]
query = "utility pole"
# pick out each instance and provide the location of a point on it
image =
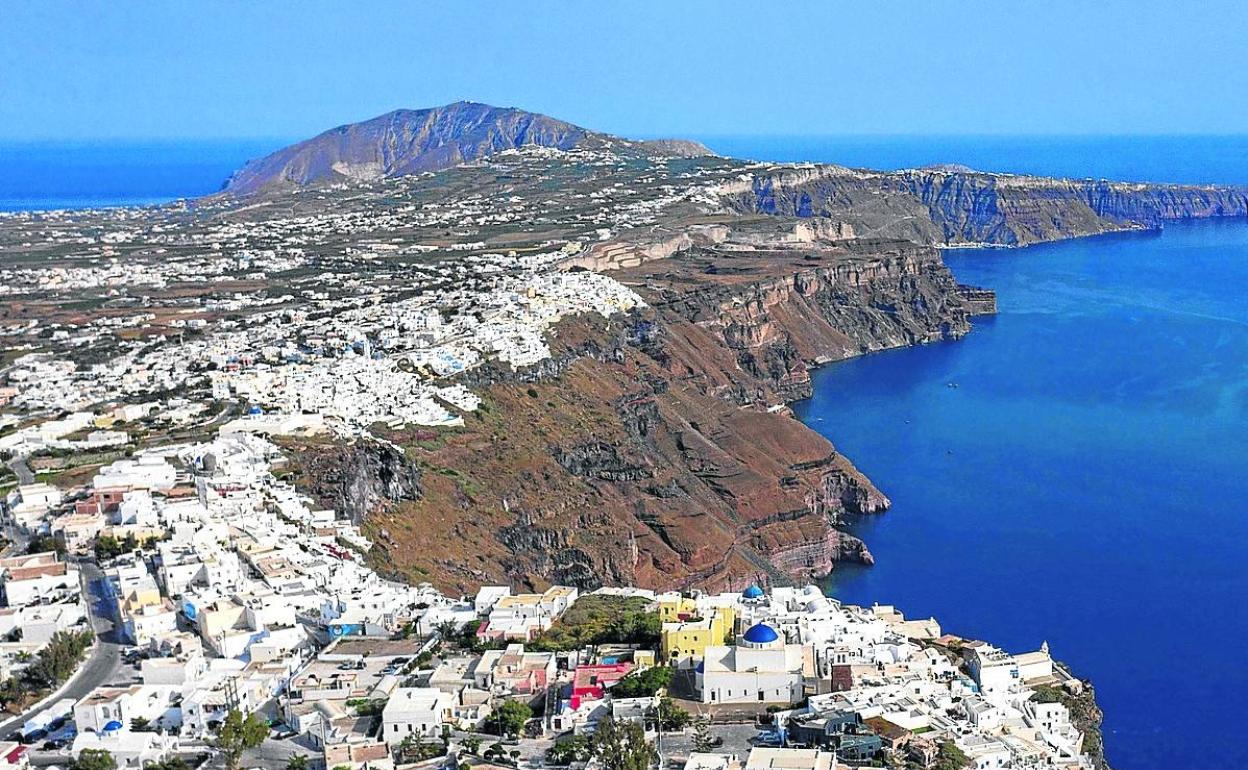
(658, 741)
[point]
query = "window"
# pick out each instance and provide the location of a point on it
(760, 695)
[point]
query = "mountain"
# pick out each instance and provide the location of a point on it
(407, 142)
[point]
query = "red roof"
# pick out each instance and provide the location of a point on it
(591, 681)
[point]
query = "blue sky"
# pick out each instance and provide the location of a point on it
(86, 70)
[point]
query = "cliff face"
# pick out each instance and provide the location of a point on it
(870, 296)
(943, 206)
(407, 142)
(358, 479)
(645, 450)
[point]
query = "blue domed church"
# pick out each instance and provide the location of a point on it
(759, 668)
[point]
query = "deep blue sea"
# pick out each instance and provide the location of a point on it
(1085, 483)
(1189, 159)
(50, 175)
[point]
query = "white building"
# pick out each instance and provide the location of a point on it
(761, 668)
(418, 712)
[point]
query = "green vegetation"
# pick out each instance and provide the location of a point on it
(509, 718)
(45, 543)
(465, 637)
(172, 763)
(643, 684)
(54, 664)
(576, 748)
(702, 739)
(94, 759)
(622, 746)
(598, 619)
(109, 547)
(670, 716)
(950, 757)
(1084, 714)
(367, 708)
(497, 752)
(297, 762)
(239, 733)
(412, 750)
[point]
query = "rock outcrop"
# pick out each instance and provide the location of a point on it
(358, 478)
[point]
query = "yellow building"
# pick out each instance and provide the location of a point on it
(674, 608)
(689, 637)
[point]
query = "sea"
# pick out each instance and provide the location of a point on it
(37, 176)
(1075, 470)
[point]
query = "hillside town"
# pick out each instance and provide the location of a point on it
(174, 597)
(358, 306)
(220, 593)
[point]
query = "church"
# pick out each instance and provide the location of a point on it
(760, 668)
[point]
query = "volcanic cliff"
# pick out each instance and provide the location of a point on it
(959, 207)
(655, 448)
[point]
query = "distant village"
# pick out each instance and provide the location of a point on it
(409, 296)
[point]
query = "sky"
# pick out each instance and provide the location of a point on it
(86, 70)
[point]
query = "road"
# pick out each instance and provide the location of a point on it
(105, 660)
(21, 470)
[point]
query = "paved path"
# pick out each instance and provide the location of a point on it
(21, 470)
(105, 660)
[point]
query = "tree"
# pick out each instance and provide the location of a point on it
(702, 739)
(297, 762)
(172, 763)
(669, 715)
(58, 660)
(11, 691)
(44, 543)
(642, 684)
(140, 725)
(622, 746)
(239, 733)
(509, 718)
(94, 759)
(950, 757)
(472, 744)
(576, 748)
(447, 631)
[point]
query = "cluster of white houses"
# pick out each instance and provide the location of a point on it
(243, 595)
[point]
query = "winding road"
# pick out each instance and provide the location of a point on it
(100, 667)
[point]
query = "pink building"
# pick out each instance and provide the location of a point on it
(591, 682)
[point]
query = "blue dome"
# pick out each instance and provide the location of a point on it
(701, 667)
(760, 633)
(112, 726)
(753, 592)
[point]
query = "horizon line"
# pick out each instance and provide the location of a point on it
(88, 140)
